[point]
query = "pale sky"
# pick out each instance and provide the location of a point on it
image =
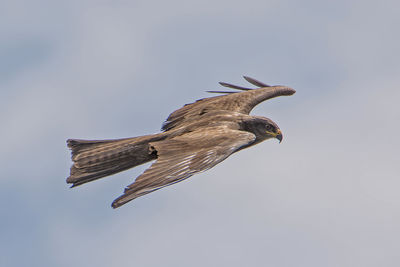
(328, 195)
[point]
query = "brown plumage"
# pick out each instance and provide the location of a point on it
(195, 138)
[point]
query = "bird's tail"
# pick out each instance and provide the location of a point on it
(99, 158)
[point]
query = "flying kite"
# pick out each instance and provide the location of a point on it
(194, 139)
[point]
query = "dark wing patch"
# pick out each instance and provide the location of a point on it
(242, 102)
(183, 156)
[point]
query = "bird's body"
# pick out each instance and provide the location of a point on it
(194, 139)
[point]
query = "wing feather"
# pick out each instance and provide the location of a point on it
(183, 156)
(242, 102)
(255, 82)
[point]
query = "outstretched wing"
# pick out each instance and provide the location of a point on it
(183, 156)
(242, 102)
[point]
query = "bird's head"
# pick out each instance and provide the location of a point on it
(263, 128)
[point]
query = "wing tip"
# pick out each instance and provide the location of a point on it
(118, 202)
(290, 91)
(221, 92)
(229, 85)
(248, 79)
(126, 197)
(115, 205)
(255, 82)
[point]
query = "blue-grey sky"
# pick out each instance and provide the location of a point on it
(328, 195)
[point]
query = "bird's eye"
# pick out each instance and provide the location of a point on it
(269, 128)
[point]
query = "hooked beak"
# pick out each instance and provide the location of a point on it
(279, 136)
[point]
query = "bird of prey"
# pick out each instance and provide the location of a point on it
(194, 139)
